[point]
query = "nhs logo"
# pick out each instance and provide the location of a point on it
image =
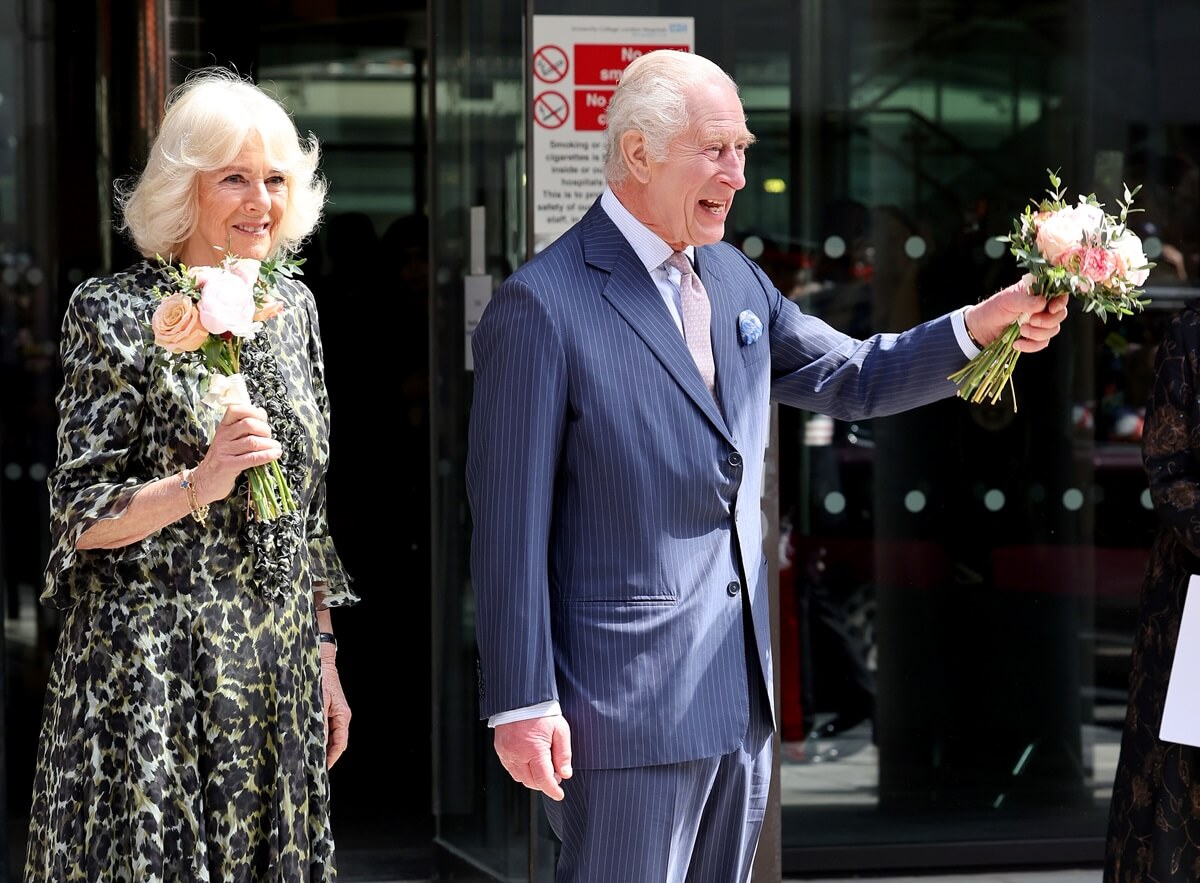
(676, 27)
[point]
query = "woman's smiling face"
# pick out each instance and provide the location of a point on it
(239, 209)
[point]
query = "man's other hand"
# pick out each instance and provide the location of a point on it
(536, 752)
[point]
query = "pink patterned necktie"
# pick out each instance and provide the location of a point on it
(697, 318)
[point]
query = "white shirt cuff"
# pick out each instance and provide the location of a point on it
(542, 709)
(959, 322)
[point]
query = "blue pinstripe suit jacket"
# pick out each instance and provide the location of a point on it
(615, 503)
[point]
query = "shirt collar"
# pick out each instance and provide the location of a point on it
(648, 245)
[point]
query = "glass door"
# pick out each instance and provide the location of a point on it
(477, 196)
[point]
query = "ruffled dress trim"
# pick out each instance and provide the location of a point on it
(274, 543)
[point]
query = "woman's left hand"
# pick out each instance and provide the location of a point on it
(337, 710)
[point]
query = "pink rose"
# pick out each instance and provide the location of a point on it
(226, 304)
(245, 268)
(176, 324)
(202, 274)
(1066, 229)
(269, 309)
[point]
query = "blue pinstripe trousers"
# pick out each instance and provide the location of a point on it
(692, 822)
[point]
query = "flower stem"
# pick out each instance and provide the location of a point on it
(986, 375)
(270, 495)
(286, 502)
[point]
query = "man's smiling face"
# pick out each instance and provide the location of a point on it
(688, 195)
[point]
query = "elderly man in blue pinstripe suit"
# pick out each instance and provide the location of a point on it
(623, 384)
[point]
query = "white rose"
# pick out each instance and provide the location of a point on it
(1131, 258)
(1064, 229)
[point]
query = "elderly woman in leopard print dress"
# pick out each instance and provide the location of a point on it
(193, 707)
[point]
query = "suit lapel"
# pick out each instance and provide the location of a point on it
(633, 294)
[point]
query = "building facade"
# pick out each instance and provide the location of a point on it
(956, 586)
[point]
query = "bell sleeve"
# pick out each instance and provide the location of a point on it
(104, 354)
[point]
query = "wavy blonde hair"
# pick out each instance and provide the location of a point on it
(207, 122)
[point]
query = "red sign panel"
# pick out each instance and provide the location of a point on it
(600, 64)
(590, 108)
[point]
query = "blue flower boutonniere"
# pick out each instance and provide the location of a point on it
(749, 327)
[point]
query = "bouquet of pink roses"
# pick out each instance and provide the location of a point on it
(211, 311)
(1066, 249)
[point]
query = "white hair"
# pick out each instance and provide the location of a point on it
(207, 122)
(652, 98)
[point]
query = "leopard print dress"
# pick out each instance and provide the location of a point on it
(183, 736)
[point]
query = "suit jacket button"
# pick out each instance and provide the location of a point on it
(733, 588)
(735, 459)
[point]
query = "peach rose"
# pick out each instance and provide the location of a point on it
(177, 326)
(268, 309)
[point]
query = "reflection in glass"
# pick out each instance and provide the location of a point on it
(991, 610)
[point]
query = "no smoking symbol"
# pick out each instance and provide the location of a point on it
(550, 110)
(550, 64)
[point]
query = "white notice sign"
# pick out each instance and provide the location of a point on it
(1181, 710)
(577, 61)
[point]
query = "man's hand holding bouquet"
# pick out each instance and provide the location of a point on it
(1073, 250)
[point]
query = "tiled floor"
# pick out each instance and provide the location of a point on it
(845, 771)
